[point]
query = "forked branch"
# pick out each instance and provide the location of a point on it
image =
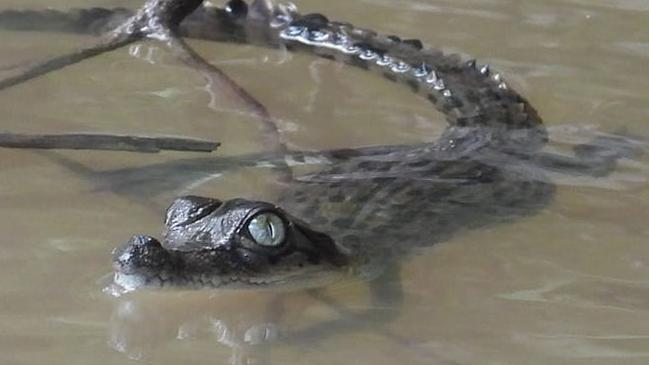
(159, 20)
(156, 17)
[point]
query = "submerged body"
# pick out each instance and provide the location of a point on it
(363, 210)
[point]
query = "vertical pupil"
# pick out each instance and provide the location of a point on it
(267, 229)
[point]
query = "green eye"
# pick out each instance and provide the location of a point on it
(267, 229)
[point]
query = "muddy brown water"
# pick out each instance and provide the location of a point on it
(567, 286)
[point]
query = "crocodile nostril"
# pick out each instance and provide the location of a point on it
(236, 8)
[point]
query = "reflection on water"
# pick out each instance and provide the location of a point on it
(244, 324)
(567, 285)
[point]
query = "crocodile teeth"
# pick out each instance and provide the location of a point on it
(502, 86)
(497, 78)
(447, 93)
(471, 64)
(485, 70)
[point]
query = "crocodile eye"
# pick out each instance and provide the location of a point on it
(267, 229)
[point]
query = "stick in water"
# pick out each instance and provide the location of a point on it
(84, 141)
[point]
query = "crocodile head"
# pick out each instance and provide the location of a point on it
(230, 244)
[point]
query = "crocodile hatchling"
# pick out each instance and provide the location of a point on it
(360, 211)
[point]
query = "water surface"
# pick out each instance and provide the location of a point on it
(567, 286)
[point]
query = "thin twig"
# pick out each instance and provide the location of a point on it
(82, 141)
(222, 85)
(108, 43)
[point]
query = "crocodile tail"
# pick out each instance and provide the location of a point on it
(479, 106)
(470, 95)
(83, 21)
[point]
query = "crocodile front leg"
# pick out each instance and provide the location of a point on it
(597, 158)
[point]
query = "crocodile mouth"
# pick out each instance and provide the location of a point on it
(174, 269)
(294, 279)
